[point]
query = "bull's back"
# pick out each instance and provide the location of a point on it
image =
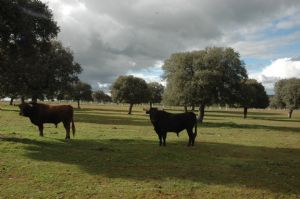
(56, 114)
(177, 122)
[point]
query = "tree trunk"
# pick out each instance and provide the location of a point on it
(245, 112)
(150, 104)
(290, 113)
(193, 107)
(22, 99)
(201, 113)
(34, 99)
(78, 103)
(11, 101)
(130, 109)
(185, 109)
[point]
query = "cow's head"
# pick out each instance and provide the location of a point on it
(26, 109)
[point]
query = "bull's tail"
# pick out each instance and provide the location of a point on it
(195, 133)
(73, 127)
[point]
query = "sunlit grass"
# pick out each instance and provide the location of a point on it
(117, 155)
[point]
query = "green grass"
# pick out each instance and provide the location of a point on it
(115, 155)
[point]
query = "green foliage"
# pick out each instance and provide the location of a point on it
(130, 89)
(54, 72)
(253, 95)
(287, 93)
(208, 76)
(156, 91)
(178, 71)
(25, 24)
(100, 96)
(31, 63)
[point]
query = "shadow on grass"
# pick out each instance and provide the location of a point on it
(9, 110)
(250, 126)
(274, 169)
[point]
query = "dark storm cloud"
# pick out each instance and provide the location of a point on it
(109, 38)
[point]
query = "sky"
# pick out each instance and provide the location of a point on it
(134, 37)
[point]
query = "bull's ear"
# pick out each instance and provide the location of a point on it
(146, 109)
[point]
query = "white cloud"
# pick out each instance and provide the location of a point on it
(279, 69)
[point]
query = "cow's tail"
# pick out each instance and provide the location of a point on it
(73, 127)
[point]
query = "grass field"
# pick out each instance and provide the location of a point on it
(115, 155)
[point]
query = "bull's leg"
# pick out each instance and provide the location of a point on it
(160, 139)
(41, 127)
(67, 127)
(159, 136)
(191, 137)
(164, 135)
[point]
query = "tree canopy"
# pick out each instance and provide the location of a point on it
(287, 94)
(130, 89)
(81, 91)
(100, 96)
(156, 92)
(28, 49)
(252, 95)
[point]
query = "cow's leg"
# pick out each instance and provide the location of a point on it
(164, 135)
(41, 127)
(67, 127)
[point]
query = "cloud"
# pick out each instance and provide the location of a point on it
(112, 38)
(279, 69)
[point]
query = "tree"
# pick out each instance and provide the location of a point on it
(204, 77)
(156, 91)
(100, 96)
(287, 94)
(58, 71)
(26, 31)
(253, 95)
(81, 91)
(130, 89)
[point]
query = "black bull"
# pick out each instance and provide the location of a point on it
(164, 122)
(43, 113)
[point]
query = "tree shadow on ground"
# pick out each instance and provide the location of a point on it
(102, 110)
(111, 119)
(241, 112)
(278, 119)
(250, 126)
(274, 169)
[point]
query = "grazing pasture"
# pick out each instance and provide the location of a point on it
(116, 155)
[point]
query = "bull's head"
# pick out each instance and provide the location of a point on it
(26, 109)
(152, 112)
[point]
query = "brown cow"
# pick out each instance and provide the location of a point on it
(43, 113)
